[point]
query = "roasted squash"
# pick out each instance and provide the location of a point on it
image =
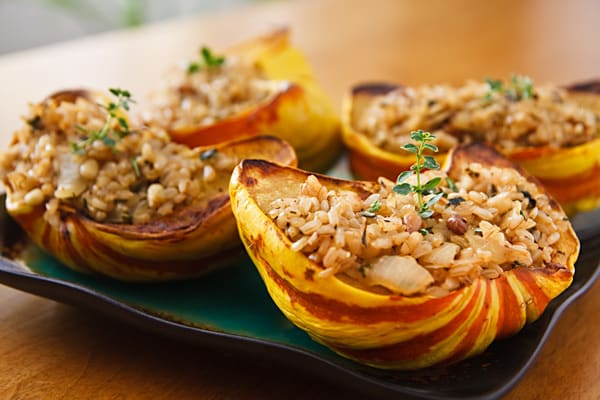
(296, 110)
(190, 241)
(569, 173)
(381, 329)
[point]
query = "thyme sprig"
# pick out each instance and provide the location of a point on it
(519, 88)
(423, 140)
(208, 60)
(107, 135)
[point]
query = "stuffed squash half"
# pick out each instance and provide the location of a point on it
(263, 86)
(552, 132)
(106, 197)
(406, 279)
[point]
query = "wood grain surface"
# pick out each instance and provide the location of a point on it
(53, 351)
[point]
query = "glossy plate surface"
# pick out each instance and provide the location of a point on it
(231, 309)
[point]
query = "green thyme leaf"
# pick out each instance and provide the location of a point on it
(77, 149)
(120, 92)
(376, 206)
(434, 199)
(372, 211)
(432, 183)
(495, 85)
(210, 59)
(410, 148)
(430, 163)
(417, 136)
(431, 147)
(403, 176)
(403, 189)
(110, 142)
(426, 213)
(123, 123)
(207, 60)
(193, 68)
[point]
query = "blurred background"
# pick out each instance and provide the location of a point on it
(30, 23)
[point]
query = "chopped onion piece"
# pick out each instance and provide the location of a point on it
(401, 274)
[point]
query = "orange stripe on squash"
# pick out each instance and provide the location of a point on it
(415, 348)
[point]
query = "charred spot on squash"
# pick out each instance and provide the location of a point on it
(309, 274)
(69, 96)
(592, 87)
(249, 181)
(375, 89)
(550, 268)
(186, 219)
(287, 273)
(64, 232)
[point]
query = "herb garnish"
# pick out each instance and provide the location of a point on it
(107, 135)
(371, 212)
(425, 231)
(208, 60)
(519, 88)
(205, 155)
(135, 165)
(423, 162)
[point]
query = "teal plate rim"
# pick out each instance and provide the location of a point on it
(487, 376)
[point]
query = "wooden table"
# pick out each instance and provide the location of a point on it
(49, 350)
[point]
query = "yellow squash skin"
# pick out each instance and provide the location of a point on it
(188, 243)
(300, 113)
(569, 174)
(386, 331)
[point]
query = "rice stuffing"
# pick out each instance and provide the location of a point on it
(140, 177)
(207, 95)
(547, 116)
(496, 220)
